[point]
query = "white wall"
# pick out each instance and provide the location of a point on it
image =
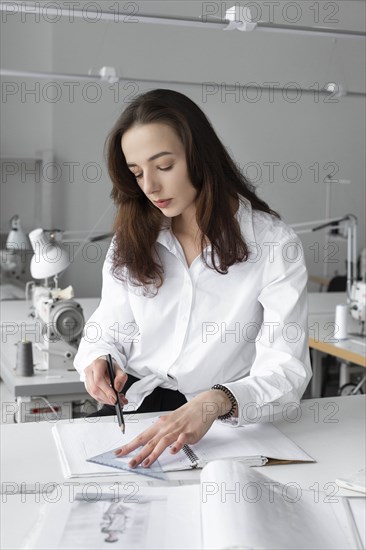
(301, 135)
(26, 119)
(26, 124)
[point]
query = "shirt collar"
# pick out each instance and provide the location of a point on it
(165, 236)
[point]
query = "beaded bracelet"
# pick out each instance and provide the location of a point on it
(232, 401)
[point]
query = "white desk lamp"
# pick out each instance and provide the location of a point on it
(50, 256)
(356, 290)
(14, 257)
(17, 238)
(347, 227)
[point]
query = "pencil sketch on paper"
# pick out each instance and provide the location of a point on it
(106, 521)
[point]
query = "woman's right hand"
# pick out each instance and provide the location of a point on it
(98, 385)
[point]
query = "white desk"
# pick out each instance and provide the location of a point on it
(322, 307)
(331, 430)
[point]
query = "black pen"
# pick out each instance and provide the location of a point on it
(118, 406)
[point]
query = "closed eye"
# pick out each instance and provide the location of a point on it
(138, 176)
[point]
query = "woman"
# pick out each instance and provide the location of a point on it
(203, 303)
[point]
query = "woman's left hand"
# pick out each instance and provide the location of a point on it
(186, 425)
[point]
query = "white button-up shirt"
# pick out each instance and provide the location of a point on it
(246, 329)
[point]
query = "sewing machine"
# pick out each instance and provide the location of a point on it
(60, 322)
(357, 304)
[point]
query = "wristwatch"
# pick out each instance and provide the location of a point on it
(232, 401)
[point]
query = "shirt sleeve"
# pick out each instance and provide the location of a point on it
(281, 370)
(111, 328)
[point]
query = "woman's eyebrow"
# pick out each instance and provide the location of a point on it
(153, 157)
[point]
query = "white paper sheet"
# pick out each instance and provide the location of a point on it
(77, 442)
(357, 508)
(242, 508)
(264, 439)
(154, 518)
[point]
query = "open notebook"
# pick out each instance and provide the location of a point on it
(87, 449)
(233, 506)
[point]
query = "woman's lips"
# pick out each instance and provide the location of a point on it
(162, 203)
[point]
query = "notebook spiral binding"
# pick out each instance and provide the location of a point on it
(191, 455)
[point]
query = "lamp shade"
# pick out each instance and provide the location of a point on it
(50, 256)
(17, 238)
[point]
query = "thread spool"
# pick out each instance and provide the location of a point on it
(24, 360)
(341, 318)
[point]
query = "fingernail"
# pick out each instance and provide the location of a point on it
(173, 449)
(146, 463)
(132, 464)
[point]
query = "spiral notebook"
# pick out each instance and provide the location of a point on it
(254, 444)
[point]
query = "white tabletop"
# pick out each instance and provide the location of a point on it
(331, 430)
(322, 306)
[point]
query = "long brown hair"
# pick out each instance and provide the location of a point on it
(212, 172)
